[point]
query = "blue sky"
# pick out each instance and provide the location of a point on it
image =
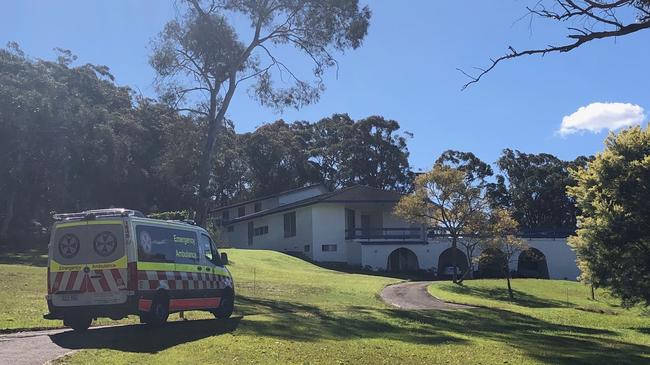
(406, 70)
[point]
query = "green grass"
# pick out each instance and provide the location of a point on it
(289, 311)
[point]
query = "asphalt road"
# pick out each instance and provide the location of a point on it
(414, 295)
(30, 348)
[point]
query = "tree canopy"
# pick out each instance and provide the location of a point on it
(201, 59)
(613, 238)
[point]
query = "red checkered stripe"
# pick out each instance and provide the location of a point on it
(104, 280)
(151, 280)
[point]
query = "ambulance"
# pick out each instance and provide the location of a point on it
(116, 262)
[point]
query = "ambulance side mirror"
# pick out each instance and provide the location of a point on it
(224, 258)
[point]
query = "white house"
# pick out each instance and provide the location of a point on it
(356, 226)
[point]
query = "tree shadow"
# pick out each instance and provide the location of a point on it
(23, 256)
(143, 338)
(539, 339)
(501, 294)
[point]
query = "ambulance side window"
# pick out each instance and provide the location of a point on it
(165, 244)
(206, 247)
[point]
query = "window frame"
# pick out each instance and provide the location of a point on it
(291, 223)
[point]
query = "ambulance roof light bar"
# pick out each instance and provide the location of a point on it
(98, 213)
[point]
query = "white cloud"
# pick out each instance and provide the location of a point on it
(598, 116)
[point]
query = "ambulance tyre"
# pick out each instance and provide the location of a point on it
(78, 323)
(226, 307)
(159, 311)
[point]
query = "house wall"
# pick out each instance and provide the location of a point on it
(274, 239)
(328, 227)
(560, 258)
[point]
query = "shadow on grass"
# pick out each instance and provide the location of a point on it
(145, 339)
(537, 339)
(23, 256)
(501, 294)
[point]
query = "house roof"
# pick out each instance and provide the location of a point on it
(351, 194)
(244, 202)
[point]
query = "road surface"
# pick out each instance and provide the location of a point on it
(414, 295)
(32, 347)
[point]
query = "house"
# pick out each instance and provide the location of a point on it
(356, 226)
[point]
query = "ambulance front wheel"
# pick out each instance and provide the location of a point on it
(226, 306)
(78, 323)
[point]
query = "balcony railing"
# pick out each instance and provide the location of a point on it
(407, 233)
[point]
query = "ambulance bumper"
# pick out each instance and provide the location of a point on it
(113, 311)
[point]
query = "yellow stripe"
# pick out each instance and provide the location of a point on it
(117, 264)
(155, 266)
(87, 223)
(164, 266)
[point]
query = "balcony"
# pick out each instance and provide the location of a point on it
(385, 234)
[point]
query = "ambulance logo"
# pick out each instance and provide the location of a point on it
(69, 245)
(105, 243)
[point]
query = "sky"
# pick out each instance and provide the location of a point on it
(406, 70)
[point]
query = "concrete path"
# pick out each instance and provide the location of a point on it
(30, 348)
(414, 295)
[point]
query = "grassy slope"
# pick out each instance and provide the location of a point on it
(569, 321)
(294, 312)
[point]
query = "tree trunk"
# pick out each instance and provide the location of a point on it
(593, 293)
(205, 165)
(8, 216)
(509, 286)
(454, 257)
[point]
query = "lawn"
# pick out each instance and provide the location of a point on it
(290, 311)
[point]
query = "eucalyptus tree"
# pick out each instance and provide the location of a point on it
(202, 59)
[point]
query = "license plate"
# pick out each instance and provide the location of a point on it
(70, 297)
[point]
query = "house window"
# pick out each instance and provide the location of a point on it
(290, 224)
(306, 248)
(241, 211)
(225, 216)
(231, 228)
(261, 230)
(328, 248)
(258, 206)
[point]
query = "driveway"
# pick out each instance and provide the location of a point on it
(30, 348)
(414, 295)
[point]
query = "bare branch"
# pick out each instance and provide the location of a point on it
(591, 12)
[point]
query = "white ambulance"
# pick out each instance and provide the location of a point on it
(115, 262)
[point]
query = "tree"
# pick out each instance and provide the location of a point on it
(590, 20)
(504, 240)
(613, 239)
(367, 152)
(533, 187)
(476, 171)
(201, 60)
(277, 155)
(477, 228)
(444, 200)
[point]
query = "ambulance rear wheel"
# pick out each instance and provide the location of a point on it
(158, 313)
(226, 306)
(78, 323)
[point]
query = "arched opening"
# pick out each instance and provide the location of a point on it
(532, 264)
(447, 263)
(402, 260)
(492, 264)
